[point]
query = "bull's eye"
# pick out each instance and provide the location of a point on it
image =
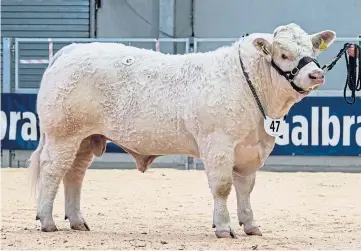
(284, 56)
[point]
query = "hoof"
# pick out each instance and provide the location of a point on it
(78, 224)
(253, 231)
(49, 229)
(225, 234)
(251, 228)
(80, 227)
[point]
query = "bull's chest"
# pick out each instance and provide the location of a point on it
(252, 152)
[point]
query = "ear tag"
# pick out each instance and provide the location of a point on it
(264, 49)
(275, 127)
(323, 45)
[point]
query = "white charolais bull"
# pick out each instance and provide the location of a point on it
(152, 104)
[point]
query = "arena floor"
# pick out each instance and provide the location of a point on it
(172, 209)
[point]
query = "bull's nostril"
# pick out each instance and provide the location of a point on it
(316, 75)
(312, 76)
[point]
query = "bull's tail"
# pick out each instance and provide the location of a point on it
(34, 164)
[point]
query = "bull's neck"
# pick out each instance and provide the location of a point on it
(270, 87)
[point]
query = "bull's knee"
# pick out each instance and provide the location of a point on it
(222, 188)
(221, 185)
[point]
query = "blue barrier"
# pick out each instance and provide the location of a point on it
(322, 126)
(318, 126)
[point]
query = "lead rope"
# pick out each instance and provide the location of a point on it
(353, 79)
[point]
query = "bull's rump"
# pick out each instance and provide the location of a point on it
(90, 88)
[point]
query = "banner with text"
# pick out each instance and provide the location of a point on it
(322, 126)
(317, 126)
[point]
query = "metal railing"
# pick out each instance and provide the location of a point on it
(51, 42)
(196, 42)
(6, 63)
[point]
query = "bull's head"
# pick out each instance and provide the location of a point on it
(292, 54)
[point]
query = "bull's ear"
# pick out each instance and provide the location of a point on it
(322, 40)
(263, 45)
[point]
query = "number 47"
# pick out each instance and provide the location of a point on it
(273, 126)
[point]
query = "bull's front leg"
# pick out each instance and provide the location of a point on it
(244, 187)
(218, 156)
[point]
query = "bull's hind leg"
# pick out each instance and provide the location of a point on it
(244, 187)
(73, 180)
(56, 158)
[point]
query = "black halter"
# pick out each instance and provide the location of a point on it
(290, 75)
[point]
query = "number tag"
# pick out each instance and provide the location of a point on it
(275, 127)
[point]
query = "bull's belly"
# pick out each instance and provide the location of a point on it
(152, 139)
(146, 146)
